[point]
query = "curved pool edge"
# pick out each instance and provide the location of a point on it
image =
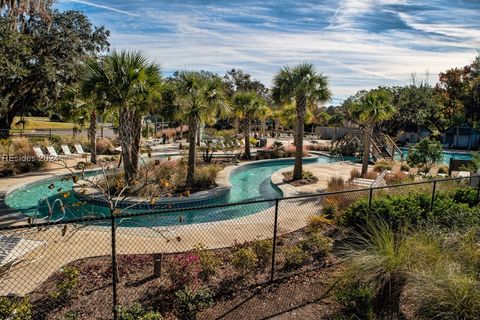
(224, 181)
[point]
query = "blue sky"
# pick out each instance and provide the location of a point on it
(357, 44)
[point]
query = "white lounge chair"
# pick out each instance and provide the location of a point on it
(79, 149)
(66, 151)
(13, 250)
(38, 152)
(53, 153)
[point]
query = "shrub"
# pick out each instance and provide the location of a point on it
(136, 312)
(263, 250)
(319, 222)
(425, 154)
(15, 308)
(466, 195)
(67, 287)
(355, 173)
(317, 244)
(244, 260)
(396, 178)
(396, 210)
(291, 150)
(193, 300)
(336, 184)
(205, 176)
(329, 211)
(208, 261)
(382, 165)
(105, 146)
(184, 269)
(357, 299)
(294, 256)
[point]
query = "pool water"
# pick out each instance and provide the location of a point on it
(447, 155)
(249, 182)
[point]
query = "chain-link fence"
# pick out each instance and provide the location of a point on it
(95, 268)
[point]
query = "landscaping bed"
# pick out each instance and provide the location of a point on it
(307, 178)
(222, 274)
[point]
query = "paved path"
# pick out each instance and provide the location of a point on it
(323, 171)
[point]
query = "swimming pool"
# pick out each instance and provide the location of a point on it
(249, 182)
(447, 155)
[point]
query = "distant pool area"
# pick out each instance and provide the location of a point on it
(447, 155)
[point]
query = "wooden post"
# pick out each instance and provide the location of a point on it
(157, 264)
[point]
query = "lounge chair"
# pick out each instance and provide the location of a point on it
(66, 151)
(12, 249)
(38, 152)
(53, 153)
(79, 149)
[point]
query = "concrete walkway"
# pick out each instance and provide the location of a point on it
(323, 171)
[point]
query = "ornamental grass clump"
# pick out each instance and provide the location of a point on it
(378, 258)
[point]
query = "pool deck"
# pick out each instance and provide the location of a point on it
(323, 171)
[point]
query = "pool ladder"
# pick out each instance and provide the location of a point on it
(338, 158)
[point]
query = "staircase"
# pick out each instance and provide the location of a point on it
(381, 145)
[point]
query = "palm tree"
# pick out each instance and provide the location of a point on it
(248, 106)
(129, 83)
(82, 105)
(371, 108)
(304, 87)
(200, 97)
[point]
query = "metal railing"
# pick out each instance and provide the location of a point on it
(134, 256)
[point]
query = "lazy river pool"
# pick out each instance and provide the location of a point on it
(249, 182)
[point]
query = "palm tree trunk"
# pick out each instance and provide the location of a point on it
(192, 134)
(297, 170)
(92, 131)
(246, 133)
(125, 129)
(136, 136)
(264, 124)
(366, 151)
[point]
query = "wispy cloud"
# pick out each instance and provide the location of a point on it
(105, 7)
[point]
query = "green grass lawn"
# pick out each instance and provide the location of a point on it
(34, 123)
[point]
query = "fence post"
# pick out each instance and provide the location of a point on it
(433, 194)
(370, 200)
(114, 267)
(274, 246)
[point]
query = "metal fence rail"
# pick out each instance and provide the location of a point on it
(135, 256)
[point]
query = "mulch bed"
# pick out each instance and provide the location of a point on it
(300, 293)
(297, 183)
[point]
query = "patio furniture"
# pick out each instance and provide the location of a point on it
(79, 149)
(66, 151)
(52, 152)
(38, 152)
(12, 249)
